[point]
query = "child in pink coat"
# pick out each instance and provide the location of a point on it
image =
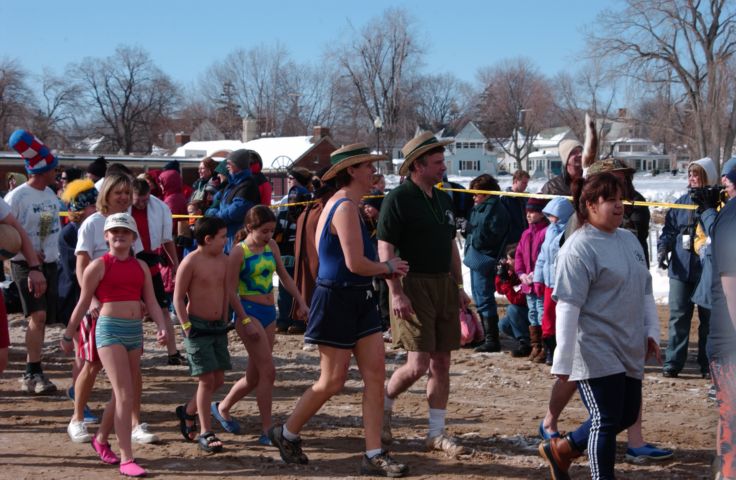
(527, 252)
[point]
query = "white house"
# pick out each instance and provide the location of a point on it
(544, 158)
(470, 153)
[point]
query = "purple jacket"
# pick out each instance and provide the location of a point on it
(529, 246)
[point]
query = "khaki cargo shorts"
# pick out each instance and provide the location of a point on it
(436, 325)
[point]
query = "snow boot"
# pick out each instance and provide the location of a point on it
(490, 327)
(535, 335)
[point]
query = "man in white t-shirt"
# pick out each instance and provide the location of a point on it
(36, 280)
(37, 209)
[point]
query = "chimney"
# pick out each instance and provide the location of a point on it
(181, 138)
(319, 132)
(250, 129)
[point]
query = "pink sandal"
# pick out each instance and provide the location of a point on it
(105, 452)
(132, 469)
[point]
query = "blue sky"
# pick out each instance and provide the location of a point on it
(185, 37)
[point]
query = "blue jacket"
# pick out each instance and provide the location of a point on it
(488, 227)
(233, 210)
(684, 265)
(544, 270)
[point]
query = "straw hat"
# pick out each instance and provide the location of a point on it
(609, 165)
(348, 156)
(417, 146)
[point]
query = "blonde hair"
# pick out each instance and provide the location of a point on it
(109, 185)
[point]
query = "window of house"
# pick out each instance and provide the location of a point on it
(639, 148)
(458, 145)
(624, 148)
(470, 165)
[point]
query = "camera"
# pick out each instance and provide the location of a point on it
(707, 197)
(501, 270)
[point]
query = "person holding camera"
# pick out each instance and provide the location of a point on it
(676, 252)
(516, 321)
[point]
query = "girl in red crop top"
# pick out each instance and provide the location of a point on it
(120, 282)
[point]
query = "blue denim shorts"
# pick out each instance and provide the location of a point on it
(119, 331)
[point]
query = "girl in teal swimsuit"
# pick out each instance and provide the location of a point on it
(252, 264)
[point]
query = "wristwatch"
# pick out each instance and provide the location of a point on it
(35, 268)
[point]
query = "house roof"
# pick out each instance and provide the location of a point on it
(271, 149)
(470, 132)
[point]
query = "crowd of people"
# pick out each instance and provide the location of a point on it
(357, 266)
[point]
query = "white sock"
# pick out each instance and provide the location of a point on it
(289, 436)
(388, 403)
(372, 453)
(436, 422)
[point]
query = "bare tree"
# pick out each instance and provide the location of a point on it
(692, 39)
(129, 95)
(16, 100)
(257, 77)
(438, 100)
(592, 89)
(515, 104)
(380, 63)
(58, 106)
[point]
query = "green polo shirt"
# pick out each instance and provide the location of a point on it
(421, 228)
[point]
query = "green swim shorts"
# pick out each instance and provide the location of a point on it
(206, 346)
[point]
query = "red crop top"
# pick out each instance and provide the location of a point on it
(122, 282)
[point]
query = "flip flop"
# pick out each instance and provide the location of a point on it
(230, 426)
(186, 430)
(206, 440)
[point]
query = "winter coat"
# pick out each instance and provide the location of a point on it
(528, 249)
(173, 196)
(198, 187)
(544, 269)
(234, 201)
(488, 227)
(265, 189)
(506, 287)
(702, 295)
(684, 265)
(517, 212)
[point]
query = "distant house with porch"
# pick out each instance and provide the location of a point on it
(470, 154)
(543, 160)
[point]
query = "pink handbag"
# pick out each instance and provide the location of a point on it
(470, 328)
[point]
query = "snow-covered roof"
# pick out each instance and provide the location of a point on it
(269, 148)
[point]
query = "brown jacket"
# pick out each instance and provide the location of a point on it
(306, 259)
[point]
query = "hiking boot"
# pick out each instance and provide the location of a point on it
(36, 383)
(535, 338)
(177, 359)
(142, 435)
(669, 373)
(559, 454)
(386, 437)
(382, 465)
(291, 451)
(78, 432)
(446, 444)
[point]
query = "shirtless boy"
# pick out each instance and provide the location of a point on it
(200, 280)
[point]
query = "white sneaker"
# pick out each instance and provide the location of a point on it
(78, 432)
(309, 347)
(140, 434)
(37, 383)
(446, 444)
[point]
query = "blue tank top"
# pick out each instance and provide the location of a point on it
(331, 258)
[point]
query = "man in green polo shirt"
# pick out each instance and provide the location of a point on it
(417, 223)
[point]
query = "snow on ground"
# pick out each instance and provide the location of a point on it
(660, 188)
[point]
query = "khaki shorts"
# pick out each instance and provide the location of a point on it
(206, 346)
(436, 325)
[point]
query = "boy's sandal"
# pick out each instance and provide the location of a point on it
(184, 417)
(206, 440)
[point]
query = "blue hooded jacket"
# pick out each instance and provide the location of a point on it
(544, 270)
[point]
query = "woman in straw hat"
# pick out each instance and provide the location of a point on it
(344, 317)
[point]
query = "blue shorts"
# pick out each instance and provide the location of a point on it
(266, 314)
(339, 316)
(119, 331)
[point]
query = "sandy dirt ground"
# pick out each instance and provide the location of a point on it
(495, 406)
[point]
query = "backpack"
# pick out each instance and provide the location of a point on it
(247, 190)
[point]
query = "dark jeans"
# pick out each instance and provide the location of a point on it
(483, 290)
(613, 403)
(516, 323)
(681, 315)
(284, 301)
